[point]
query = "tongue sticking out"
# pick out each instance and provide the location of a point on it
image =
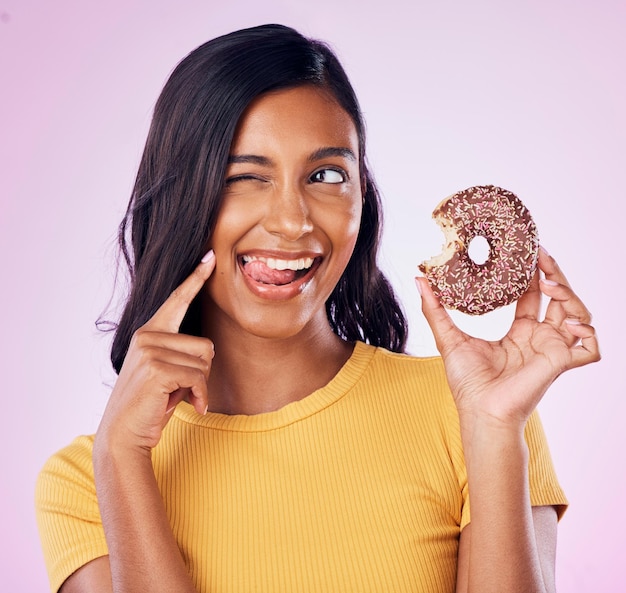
(259, 272)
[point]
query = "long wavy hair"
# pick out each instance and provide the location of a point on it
(178, 190)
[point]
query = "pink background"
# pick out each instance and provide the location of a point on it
(527, 95)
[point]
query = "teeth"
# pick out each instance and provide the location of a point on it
(281, 264)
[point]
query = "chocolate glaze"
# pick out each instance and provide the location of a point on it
(502, 219)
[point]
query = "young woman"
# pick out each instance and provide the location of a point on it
(266, 432)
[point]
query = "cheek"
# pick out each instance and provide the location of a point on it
(352, 221)
(233, 222)
(232, 216)
(345, 229)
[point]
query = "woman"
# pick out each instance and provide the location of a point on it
(266, 432)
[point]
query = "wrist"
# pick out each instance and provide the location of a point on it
(112, 449)
(505, 426)
(488, 438)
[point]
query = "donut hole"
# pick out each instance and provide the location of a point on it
(478, 250)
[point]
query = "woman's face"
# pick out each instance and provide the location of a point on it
(290, 215)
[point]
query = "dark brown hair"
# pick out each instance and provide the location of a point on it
(177, 193)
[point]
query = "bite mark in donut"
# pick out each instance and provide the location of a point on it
(501, 218)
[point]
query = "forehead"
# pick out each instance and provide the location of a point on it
(297, 118)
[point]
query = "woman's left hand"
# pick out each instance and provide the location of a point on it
(503, 381)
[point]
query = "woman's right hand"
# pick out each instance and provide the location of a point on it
(162, 367)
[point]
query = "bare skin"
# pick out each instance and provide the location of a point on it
(161, 369)
(306, 211)
(496, 386)
(273, 207)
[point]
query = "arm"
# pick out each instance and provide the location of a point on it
(94, 576)
(143, 552)
(496, 387)
(544, 519)
(162, 367)
(503, 521)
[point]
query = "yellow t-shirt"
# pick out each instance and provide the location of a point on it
(360, 486)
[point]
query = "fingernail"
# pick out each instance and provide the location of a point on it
(170, 410)
(208, 256)
(419, 286)
(206, 410)
(549, 282)
(543, 249)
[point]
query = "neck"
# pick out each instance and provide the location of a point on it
(252, 374)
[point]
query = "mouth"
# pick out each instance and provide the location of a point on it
(275, 271)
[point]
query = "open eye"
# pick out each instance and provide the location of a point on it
(328, 176)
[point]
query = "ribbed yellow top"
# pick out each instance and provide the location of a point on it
(360, 486)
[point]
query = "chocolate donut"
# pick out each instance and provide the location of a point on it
(500, 217)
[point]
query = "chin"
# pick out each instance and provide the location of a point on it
(285, 325)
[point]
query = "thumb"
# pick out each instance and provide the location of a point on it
(446, 333)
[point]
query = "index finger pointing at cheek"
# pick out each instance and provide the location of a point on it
(171, 313)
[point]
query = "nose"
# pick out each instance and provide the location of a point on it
(288, 215)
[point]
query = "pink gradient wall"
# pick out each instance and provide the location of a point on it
(528, 95)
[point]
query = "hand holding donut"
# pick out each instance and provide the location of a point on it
(161, 368)
(505, 380)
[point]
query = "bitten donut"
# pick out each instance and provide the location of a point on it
(500, 217)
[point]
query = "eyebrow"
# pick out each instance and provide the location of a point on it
(249, 158)
(320, 153)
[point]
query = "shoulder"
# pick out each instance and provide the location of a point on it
(65, 484)
(71, 464)
(404, 362)
(410, 399)
(67, 511)
(422, 377)
(415, 387)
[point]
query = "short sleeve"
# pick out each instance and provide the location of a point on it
(544, 485)
(67, 512)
